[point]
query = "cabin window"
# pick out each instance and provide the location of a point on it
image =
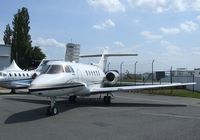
(4, 74)
(27, 74)
(0, 74)
(23, 74)
(10, 74)
(86, 73)
(15, 74)
(19, 74)
(53, 69)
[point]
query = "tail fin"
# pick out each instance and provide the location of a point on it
(104, 57)
(103, 61)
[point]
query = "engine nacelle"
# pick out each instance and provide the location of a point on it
(112, 77)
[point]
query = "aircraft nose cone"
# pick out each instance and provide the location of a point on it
(46, 81)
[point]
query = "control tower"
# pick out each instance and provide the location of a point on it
(72, 52)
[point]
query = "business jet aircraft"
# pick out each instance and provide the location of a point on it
(13, 77)
(76, 79)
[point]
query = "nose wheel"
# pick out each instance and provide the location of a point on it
(52, 109)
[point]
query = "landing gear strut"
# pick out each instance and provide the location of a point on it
(52, 109)
(13, 91)
(72, 99)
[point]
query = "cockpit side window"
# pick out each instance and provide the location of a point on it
(67, 69)
(53, 69)
(72, 70)
(44, 69)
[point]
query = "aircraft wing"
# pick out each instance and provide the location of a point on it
(128, 88)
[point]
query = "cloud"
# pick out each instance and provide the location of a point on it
(196, 51)
(198, 18)
(150, 35)
(189, 26)
(155, 5)
(49, 42)
(171, 31)
(180, 5)
(171, 49)
(196, 5)
(111, 6)
(160, 6)
(107, 24)
(119, 44)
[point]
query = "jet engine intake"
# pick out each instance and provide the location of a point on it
(112, 77)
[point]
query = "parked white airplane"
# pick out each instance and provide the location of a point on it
(13, 77)
(76, 79)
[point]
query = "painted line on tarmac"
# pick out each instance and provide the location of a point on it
(104, 108)
(171, 115)
(145, 99)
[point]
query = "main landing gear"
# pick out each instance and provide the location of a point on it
(72, 99)
(52, 109)
(107, 99)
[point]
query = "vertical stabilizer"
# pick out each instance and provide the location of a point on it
(103, 60)
(104, 57)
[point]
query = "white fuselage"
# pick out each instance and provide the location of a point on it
(66, 78)
(8, 77)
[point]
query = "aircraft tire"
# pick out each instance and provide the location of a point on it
(52, 111)
(107, 99)
(72, 99)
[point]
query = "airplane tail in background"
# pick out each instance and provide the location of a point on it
(104, 57)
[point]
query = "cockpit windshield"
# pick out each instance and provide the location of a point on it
(44, 69)
(53, 69)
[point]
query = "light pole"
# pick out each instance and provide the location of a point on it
(152, 70)
(121, 71)
(135, 71)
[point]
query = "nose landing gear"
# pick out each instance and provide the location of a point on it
(52, 109)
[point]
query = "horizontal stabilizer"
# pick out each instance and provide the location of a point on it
(108, 55)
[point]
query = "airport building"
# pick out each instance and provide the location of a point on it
(182, 72)
(197, 72)
(72, 52)
(4, 56)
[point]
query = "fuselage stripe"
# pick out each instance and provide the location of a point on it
(54, 88)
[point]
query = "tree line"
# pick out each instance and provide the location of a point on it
(19, 39)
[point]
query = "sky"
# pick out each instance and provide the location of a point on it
(167, 31)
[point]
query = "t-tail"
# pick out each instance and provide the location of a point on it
(104, 57)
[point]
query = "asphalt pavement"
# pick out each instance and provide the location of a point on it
(131, 116)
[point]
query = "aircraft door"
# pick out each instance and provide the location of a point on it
(79, 75)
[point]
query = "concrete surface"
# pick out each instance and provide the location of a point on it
(130, 116)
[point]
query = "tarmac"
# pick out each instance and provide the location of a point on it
(130, 116)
